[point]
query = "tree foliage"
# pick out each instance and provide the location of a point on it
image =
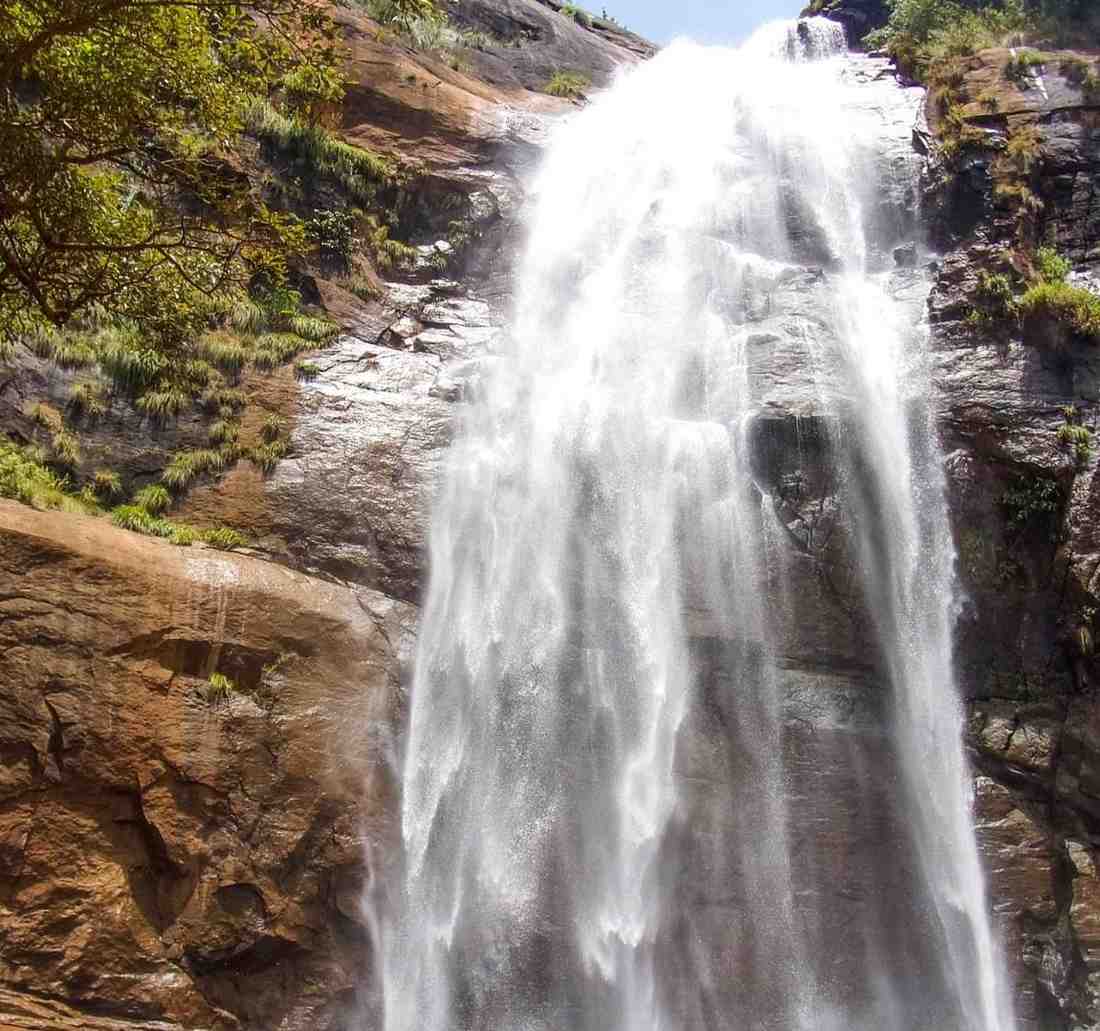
(116, 120)
(403, 13)
(922, 33)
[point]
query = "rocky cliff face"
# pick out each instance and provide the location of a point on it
(169, 857)
(857, 16)
(175, 855)
(1028, 569)
(172, 856)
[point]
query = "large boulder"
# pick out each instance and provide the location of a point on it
(174, 856)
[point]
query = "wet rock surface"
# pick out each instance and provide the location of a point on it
(543, 42)
(1024, 514)
(857, 16)
(176, 857)
(172, 861)
(171, 858)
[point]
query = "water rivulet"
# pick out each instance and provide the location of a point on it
(684, 748)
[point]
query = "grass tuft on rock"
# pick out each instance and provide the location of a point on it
(362, 173)
(268, 455)
(1021, 65)
(27, 479)
(154, 499)
(577, 14)
(218, 689)
(1073, 306)
(187, 466)
(107, 482)
(569, 85)
(223, 538)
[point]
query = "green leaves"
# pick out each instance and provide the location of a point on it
(403, 13)
(571, 85)
(115, 116)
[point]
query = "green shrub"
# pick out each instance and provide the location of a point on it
(1031, 499)
(224, 351)
(195, 375)
(1073, 433)
(1020, 197)
(86, 401)
(362, 173)
(223, 431)
(24, 478)
(142, 520)
(185, 466)
(424, 25)
(64, 448)
(131, 367)
(923, 34)
(106, 481)
(268, 455)
(217, 690)
(362, 286)
(1050, 266)
(224, 401)
(311, 328)
(275, 349)
(570, 85)
(994, 299)
(1080, 437)
(1023, 150)
(223, 538)
(139, 520)
(334, 234)
(990, 101)
(1072, 306)
(245, 316)
(474, 39)
(1083, 75)
(385, 252)
(73, 353)
(307, 371)
(265, 360)
(403, 13)
(1020, 65)
(163, 403)
(153, 499)
(578, 14)
(274, 426)
(46, 416)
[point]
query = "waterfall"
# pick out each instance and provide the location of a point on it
(663, 770)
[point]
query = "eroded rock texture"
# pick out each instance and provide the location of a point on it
(1027, 566)
(170, 859)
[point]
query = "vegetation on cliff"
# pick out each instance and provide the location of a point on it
(988, 119)
(117, 187)
(25, 477)
(167, 171)
(922, 34)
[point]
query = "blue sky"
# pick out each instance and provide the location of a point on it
(708, 21)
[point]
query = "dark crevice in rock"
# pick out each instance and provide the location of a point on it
(160, 886)
(200, 657)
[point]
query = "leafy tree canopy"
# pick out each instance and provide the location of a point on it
(116, 117)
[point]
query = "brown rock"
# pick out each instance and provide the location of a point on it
(156, 846)
(1085, 908)
(1020, 866)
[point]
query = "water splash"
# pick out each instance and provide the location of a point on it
(614, 586)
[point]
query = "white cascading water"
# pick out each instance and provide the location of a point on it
(609, 573)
